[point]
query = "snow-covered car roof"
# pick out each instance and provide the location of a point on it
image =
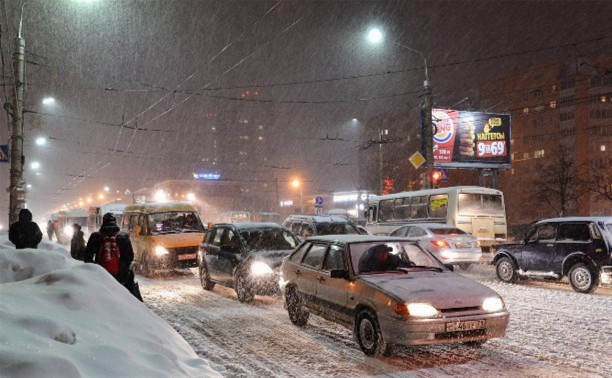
(160, 207)
(249, 225)
(355, 238)
(429, 225)
(578, 219)
(320, 218)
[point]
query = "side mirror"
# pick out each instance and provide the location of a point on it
(450, 267)
(339, 273)
(137, 230)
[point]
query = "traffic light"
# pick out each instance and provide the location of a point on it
(436, 176)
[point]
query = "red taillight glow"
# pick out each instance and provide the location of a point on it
(439, 243)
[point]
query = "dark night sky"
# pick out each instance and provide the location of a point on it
(143, 50)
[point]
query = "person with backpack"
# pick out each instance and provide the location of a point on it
(111, 249)
(24, 233)
(77, 243)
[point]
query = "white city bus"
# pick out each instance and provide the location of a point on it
(476, 210)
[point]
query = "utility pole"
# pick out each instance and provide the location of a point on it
(381, 179)
(428, 133)
(17, 188)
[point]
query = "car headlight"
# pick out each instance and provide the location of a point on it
(68, 230)
(160, 251)
(422, 310)
(259, 268)
(493, 304)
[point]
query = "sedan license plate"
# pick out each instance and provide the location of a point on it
(187, 256)
(466, 325)
(463, 245)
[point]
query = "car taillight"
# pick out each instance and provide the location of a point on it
(439, 243)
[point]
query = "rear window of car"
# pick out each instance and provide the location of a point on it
(574, 232)
(336, 228)
(447, 231)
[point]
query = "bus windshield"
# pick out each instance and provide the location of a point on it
(481, 204)
(174, 222)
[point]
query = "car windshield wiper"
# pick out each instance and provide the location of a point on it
(406, 269)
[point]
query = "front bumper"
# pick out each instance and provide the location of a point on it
(606, 275)
(173, 260)
(433, 331)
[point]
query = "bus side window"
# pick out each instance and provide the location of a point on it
(418, 207)
(438, 206)
(402, 209)
(386, 210)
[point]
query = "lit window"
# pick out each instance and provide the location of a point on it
(602, 148)
(538, 154)
(525, 110)
(512, 156)
(553, 104)
(603, 99)
(525, 155)
(260, 137)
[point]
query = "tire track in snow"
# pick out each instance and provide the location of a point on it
(259, 340)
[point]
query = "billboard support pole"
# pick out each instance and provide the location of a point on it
(428, 134)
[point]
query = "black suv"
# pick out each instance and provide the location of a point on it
(578, 248)
(245, 256)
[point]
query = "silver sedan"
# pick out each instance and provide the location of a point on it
(449, 244)
(388, 291)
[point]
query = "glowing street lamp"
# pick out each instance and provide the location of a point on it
(48, 101)
(375, 35)
(100, 196)
(160, 196)
(41, 141)
(297, 184)
(106, 189)
(191, 197)
(35, 165)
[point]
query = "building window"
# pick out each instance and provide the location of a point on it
(553, 104)
(538, 154)
(553, 88)
(537, 93)
(601, 113)
(566, 100)
(567, 116)
(525, 110)
(602, 148)
(568, 83)
(525, 155)
(512, 157)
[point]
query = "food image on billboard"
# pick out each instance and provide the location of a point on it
(471, 139)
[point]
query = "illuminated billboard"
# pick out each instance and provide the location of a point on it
(471, 139)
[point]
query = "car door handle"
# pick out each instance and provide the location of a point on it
(298, 272)
(320, 279)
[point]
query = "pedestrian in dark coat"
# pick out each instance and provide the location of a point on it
(77, 243)
(24, 233)
(126, 253)
(50, 229)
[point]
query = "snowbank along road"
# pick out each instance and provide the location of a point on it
(552, 332)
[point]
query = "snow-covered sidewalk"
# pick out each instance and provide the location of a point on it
(60, 317)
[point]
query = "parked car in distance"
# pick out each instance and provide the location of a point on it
(245, 256)
(578, 248)
(306, 226)
(388, 290)
(449, 244)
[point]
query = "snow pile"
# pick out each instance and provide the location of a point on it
(66, 318)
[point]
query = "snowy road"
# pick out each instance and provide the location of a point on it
(553, 332)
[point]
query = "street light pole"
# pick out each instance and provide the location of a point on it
(17, 185)
(427, 108)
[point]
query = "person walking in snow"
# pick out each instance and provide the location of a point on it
(24, 233)
(77, 243)
(111, 249)
(50, 229)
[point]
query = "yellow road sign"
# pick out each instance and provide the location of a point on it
(416, 160)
